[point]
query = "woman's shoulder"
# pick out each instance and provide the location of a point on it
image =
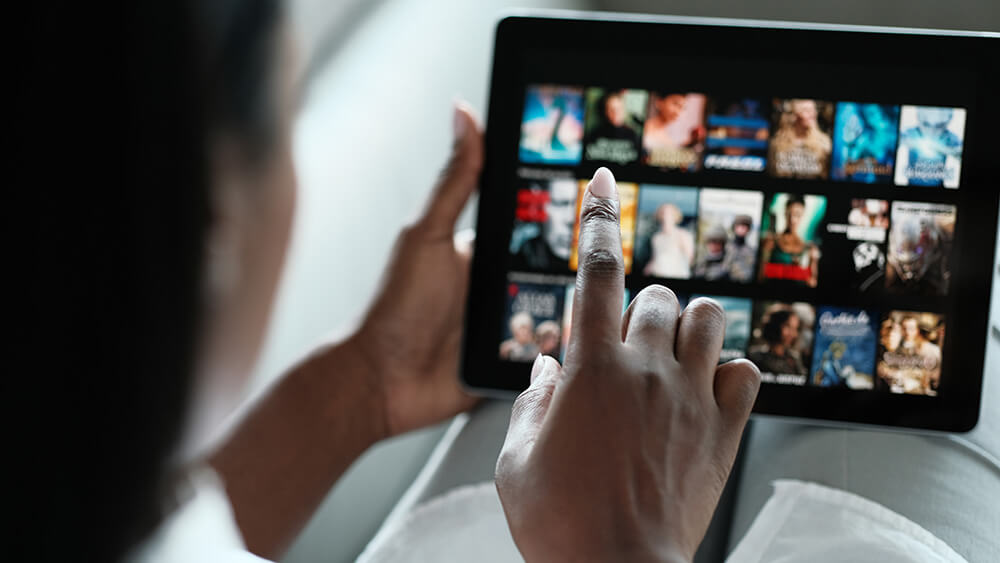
(201, 529)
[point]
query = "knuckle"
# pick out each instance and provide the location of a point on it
(505, 465)
(652, 382)
(659, 294)
(707, 309)
(601, 262)
(598, 211)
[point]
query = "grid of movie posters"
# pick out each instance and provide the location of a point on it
(800, 138)
(769, 251)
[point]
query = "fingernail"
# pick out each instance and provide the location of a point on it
(603, 184)
(536, 368)
(458, 122)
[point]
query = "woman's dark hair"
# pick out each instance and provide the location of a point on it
(131, 269)
(793, 199)
(772, 328)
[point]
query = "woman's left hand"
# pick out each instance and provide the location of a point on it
(411, 337)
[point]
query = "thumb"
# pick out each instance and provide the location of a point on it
(530, 408)
(460, 177)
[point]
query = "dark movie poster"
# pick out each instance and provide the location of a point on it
(781, 341)
(920, 240)
(543, 225)
(533, 321)
(613, 129)
(737, 134)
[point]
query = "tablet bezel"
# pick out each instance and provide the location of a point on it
(599, 37)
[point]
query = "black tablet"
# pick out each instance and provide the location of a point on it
(834, 188)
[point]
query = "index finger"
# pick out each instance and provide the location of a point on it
(600, 279)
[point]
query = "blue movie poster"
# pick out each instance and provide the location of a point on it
(864, 142)
(552, 126)
(844, 353)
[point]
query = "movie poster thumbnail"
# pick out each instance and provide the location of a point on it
(864, 142)
(737, 133)
(930, 146)
(613, 127)
(844, 353)
(738, 312)
(665, 234)
(552, 126)
(781, 341)
(857, 245)
(801, 143)
(728, 235)
(868, 220)
(909, 358)
(627, 196)
(920, 241)
(543, 225)
(790, 245)
(532, 324)
(567, 320)
(674, 134)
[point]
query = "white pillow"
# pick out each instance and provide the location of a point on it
(811, 523)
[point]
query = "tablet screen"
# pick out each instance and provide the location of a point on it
(828, 204)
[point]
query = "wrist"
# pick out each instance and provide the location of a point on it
(347, 377)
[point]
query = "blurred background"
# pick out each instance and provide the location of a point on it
(379, 78)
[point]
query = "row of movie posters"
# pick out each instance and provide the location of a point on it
(791, 343)
(787, 138)
(741, 236)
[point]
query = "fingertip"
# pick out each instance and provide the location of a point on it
(603, 184)
(465, 121)
(542, 369)
(536, 367)
(737, 383)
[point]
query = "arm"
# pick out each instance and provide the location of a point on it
(398, 372)
(296, 442)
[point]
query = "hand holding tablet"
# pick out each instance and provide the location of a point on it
(639, 402)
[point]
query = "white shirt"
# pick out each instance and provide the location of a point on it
(202, 529)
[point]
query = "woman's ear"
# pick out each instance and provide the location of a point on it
(227, 221)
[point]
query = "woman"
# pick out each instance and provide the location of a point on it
(672, 247)
(668, 140)
(799, 148)
(788, 256)
(175, 328)
(780, 356)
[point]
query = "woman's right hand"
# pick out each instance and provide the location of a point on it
(622, 453)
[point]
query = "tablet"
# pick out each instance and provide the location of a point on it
(835, 189)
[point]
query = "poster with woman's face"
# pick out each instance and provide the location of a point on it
(781, 341)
